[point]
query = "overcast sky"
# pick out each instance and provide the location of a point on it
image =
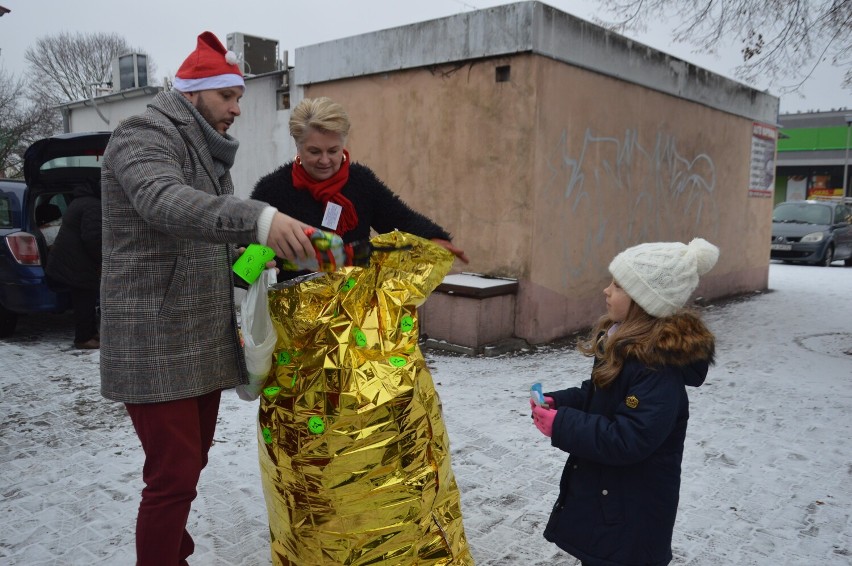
(167, 30)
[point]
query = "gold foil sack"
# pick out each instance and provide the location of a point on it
(354, 455)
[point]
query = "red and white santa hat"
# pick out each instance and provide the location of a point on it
(210, 66)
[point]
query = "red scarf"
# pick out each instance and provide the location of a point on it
(329, 191)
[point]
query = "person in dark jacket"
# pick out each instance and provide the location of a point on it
(625, 427)
(322, 187)
(75, 261)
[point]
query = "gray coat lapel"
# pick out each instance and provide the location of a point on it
(195, 139)
(191, 132)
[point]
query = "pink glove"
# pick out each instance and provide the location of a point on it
(549, 400)
(543, 419)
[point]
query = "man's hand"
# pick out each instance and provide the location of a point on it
(451, 248)
(287, 237)
(269, 264)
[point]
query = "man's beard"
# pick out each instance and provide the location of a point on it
(206, 113)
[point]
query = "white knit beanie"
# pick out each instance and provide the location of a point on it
(661, 276)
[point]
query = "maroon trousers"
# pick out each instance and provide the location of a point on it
(176, 436)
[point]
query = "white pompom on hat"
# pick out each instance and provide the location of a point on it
(210, 66)
(661, 276)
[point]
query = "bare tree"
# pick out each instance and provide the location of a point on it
(64, 67)
(781, 41)
(21, 123)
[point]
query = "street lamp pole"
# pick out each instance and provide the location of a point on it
(846, 191)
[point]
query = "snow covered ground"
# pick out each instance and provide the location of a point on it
(767, 474)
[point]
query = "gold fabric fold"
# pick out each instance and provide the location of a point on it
(354, 455)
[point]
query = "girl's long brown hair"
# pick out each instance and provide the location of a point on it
(637, 329)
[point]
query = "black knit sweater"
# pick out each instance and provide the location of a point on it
(376, 205)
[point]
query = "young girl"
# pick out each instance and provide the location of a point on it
(625, 427)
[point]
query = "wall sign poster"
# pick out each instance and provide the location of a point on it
(797, 187)
(821, 187)
(762, 173)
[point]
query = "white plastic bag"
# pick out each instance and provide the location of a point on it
(259, 335)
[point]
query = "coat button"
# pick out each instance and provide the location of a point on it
(575, 466)
(605, 492)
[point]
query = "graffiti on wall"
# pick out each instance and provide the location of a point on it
(626, 193)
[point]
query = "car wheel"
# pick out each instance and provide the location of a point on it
(848, 262)
(8, 321)
(828, 257)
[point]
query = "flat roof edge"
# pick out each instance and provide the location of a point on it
(113, 96)
(529, 27)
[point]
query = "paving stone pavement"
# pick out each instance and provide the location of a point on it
(70, 468)
(758, 494)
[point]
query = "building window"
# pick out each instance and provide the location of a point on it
(502, 75)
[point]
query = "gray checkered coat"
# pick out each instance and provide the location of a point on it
(168, 327)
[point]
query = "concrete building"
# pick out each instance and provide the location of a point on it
(546, 145)
(814, 155)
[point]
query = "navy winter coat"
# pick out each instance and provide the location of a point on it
(618, 494)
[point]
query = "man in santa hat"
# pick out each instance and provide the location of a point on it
(169, 340)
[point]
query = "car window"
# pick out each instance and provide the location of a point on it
(842, 214)
(5, 212)
(783, 213)
(72, 161)
(61, 200)
(801, 212)
(818, 214)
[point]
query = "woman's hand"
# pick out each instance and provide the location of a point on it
(450, 247)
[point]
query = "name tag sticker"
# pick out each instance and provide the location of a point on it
(331, 216)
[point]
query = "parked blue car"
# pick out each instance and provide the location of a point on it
(30, 213)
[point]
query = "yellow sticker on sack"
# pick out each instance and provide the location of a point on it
(632, 402)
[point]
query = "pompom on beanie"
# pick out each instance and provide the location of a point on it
(660, 277)
(210, 66)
